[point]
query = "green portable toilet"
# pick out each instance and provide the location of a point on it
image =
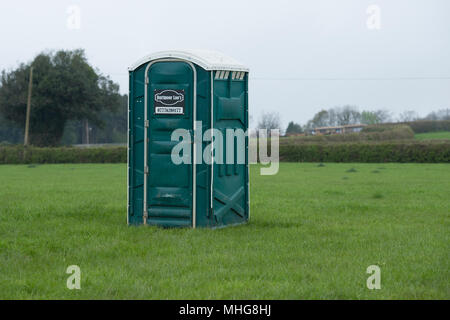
(204, 93)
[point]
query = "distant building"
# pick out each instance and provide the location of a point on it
(350, 128)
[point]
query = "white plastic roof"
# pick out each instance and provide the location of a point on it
(208, 60)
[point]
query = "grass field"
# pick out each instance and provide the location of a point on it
(313, 232)
(441, 135)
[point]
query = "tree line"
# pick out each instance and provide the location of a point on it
(347, 115)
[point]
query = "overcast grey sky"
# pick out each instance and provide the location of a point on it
(303, 55)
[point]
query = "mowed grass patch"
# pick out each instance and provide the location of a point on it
(313, 232)
(440, 135)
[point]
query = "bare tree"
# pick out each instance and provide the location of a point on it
(332, 117)
(443, 114)
(270, 120)
(383, 116)
(348, 115)
(407, 116)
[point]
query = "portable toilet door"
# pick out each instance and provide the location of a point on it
(191, 91)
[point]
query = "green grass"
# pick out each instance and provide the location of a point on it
(313, 232)
(441, 135)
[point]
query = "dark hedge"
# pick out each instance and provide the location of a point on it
(367, 152)
(22, 155)
(421, 152)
